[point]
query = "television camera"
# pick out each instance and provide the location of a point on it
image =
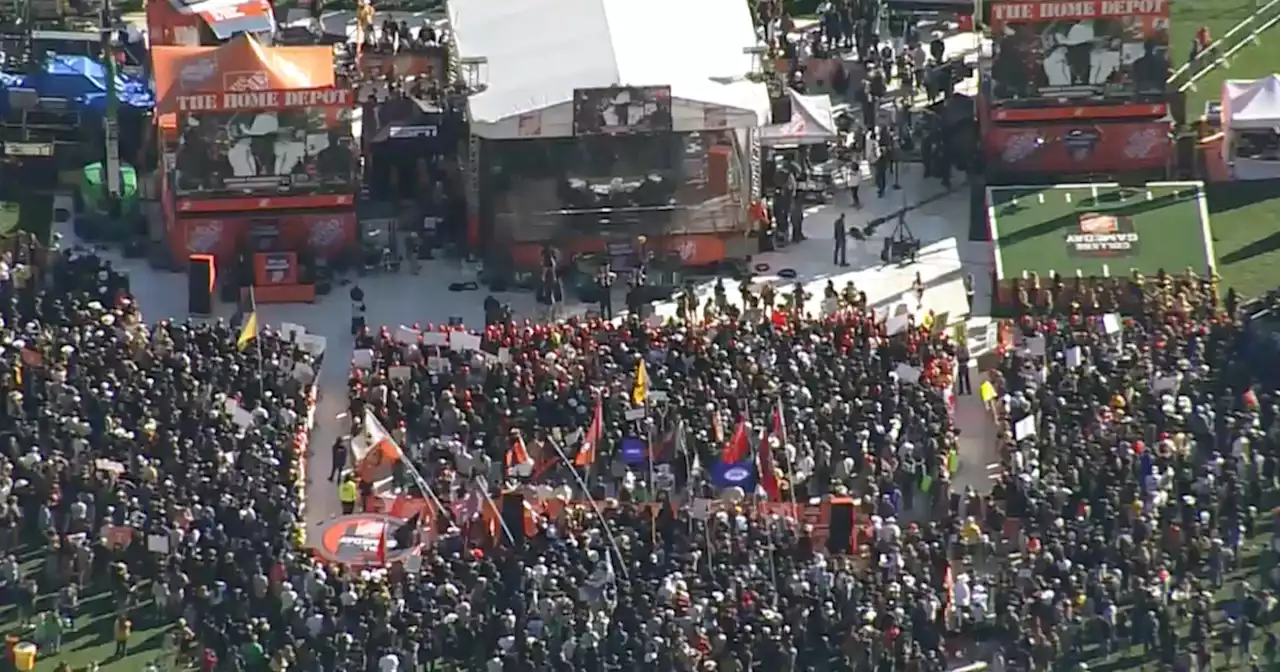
(901, 245)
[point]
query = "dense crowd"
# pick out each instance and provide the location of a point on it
(1141, 458)
(157, 465)
(162, 467)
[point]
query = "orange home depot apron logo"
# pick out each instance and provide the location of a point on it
(246, 81)
(688, 249)
(203, 237)
(1142, 143)
(325, 232)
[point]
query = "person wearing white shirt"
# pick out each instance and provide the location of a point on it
(389, 663)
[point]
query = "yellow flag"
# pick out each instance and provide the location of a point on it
(640, 390)
(249, 331)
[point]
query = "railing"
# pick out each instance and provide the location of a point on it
(1216, 46)
(1226, 56)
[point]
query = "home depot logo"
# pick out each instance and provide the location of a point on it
(237, 82)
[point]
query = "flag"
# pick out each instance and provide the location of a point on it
(406, 535)
(640, 388)
(517, 459)
(739, 445)
(381, 556)
(249, 331)
(734, 474)
(587, 452)
(768, 476)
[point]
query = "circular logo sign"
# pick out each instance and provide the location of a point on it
(203, 237)
(737, 474)
(354, 540)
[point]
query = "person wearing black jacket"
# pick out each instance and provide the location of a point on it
(604, 287)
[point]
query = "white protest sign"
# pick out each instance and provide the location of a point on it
(464, 342)
(1025, 428)
(635, 413)
(362, 359)
(242, 418)
(896, 325)
(907, 373)
(1035, 346)
(1111, 323)
(399, 373)
(1165, 383)
(504, 355)
(435, 338)
(405, 335)
(1074, 358)
(291, 331)
(313, 344)
(158, 543)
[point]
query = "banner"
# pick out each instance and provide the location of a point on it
(298, 151)
(246, 100)
(622, 109)
(1114, 147)
(1095, 52)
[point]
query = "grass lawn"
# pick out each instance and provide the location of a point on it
(1098, 229)
(92, 639)
(1220, 16)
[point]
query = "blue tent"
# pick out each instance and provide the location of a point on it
(81, 80)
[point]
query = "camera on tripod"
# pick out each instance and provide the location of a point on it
(900, 245)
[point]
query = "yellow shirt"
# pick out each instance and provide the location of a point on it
(347, 492)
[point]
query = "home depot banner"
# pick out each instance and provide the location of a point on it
(1055, 60)
(1114, 147)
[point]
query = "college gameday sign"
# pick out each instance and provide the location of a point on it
(264, 100)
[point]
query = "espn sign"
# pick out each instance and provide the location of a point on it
(232, 101)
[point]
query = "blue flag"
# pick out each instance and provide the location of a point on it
(634, 451)
(735, 474)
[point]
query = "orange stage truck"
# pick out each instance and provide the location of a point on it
(258, 156)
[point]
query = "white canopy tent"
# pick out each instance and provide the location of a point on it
(1250, 107)
(538, 52)
(812, 122)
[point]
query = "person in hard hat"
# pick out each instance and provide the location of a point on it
(348, 493)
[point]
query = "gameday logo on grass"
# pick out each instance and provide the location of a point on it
(1099, 235)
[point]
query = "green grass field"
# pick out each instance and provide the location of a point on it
(92, 641)
(1045, 229)
(1220, 16)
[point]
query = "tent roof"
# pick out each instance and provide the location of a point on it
(241, 64)
(812, 121)
(1252, 103)
(224, 17)
(83, 80)
(539, 51)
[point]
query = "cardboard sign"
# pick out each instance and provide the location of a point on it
(292, 332)
(463, 342)
(504, 355)
(399, 373)
(116, 537)
(908, 374)
(313, 345)
(362, 359)
(405, 335)
(158, 543)
(435, 338)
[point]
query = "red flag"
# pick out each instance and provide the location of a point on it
(382, 548)
(738, 446)
(517, 457)
(587, 453)
(768, 477)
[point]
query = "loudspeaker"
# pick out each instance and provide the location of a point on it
(201, 277)
(840, 529)
(513, 516)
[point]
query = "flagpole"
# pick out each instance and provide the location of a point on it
(763, 444)
(257, 339)
(483, 485)
(622, 563)
(791, 470)
(653, 484)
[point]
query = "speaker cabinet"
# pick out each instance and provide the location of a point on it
(201, 278)
(840, 530)
(513, 516)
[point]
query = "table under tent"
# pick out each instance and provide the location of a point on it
(804, 141)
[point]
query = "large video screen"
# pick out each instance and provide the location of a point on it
(1076, 50)
(278, 152)
(622, 109)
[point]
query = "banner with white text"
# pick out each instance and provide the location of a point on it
(1080, 51)
(268, 149)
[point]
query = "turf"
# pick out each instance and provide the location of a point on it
(1220, 16)
(1032, 225)
(92, 639)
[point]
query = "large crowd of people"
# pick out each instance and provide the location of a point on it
(163, 466)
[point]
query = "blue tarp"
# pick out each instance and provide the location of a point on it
(83, 81)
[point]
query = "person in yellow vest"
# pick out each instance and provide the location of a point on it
(348, 493)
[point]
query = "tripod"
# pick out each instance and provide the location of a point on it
(901, 244)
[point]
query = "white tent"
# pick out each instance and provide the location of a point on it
(538, 52)
(812, 122)
(1250, 106)
(1251, 103)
